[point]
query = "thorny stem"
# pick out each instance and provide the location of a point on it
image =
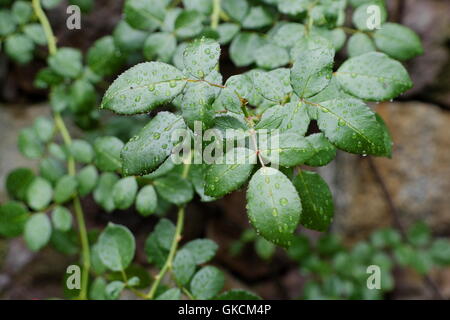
(51, 40)
(173, 249)
(215, 16)
(61, 126)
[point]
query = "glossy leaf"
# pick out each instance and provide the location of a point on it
(143, 87)
(39, 194)
(313, 66)
(13, 216)
(145, 152)
(116, 247)
(65, 189)
(317, 200)
(146, 201)
(201, 56)
(373, 76)
(124, 192)
(397, 41)
(273, 205)
(107, 153)
(37, 231)
(207, 283)
(229, 172)
(351, 126)
(62, 219)
(202, 250)
(183, 267)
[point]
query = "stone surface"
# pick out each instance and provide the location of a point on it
(430, 20)
(13, 118)
(417, 176)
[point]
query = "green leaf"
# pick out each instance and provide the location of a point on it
(96, 263)
(419, 234)
(82, 151)
(237, 294)
(145, 152)
(229, 172)
(229, 100)
(207, 283)
(35, 32)
(174, 189)
(51, 169)
(183, 267)
(286, 149)
(352, 126)
(102, 193)
(114, 289)
(107, 153)
(164, 232)
(203, 6)
(274, 85)
(197, 104)
(50, 4)
(258, 17)
(323, 151)
(103, 57)
(155, 254)
(264, 249)
(313, 66)
(17, 182)
(202, 250)
(97, 289)
(13, 216)
(243, 46)
(397, 41)
(227, 31)
(373, 76)
(128, 39)
(87, 180)
(201, 57)
(440, 251)
(293, 7)
(291, 117)
(146, 201)
(44, 128)
(61, 218)
(65, 189)
(362, 17)
(39, 194)
(20, 48)
(82, 96)
(273, 205)
(29, 144)
(270, 56)
(171, 294)
(188, 24)
(288, 34)
(144, 14)
(7, 23)
(66, 62)
(59, 97)
(124, 192)
(236, 9)
(37, 231)
(143, 87)
(22, 11)
(360, 43)
(161, 46)
(317, 201)
(336, 36)
(117, 247)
